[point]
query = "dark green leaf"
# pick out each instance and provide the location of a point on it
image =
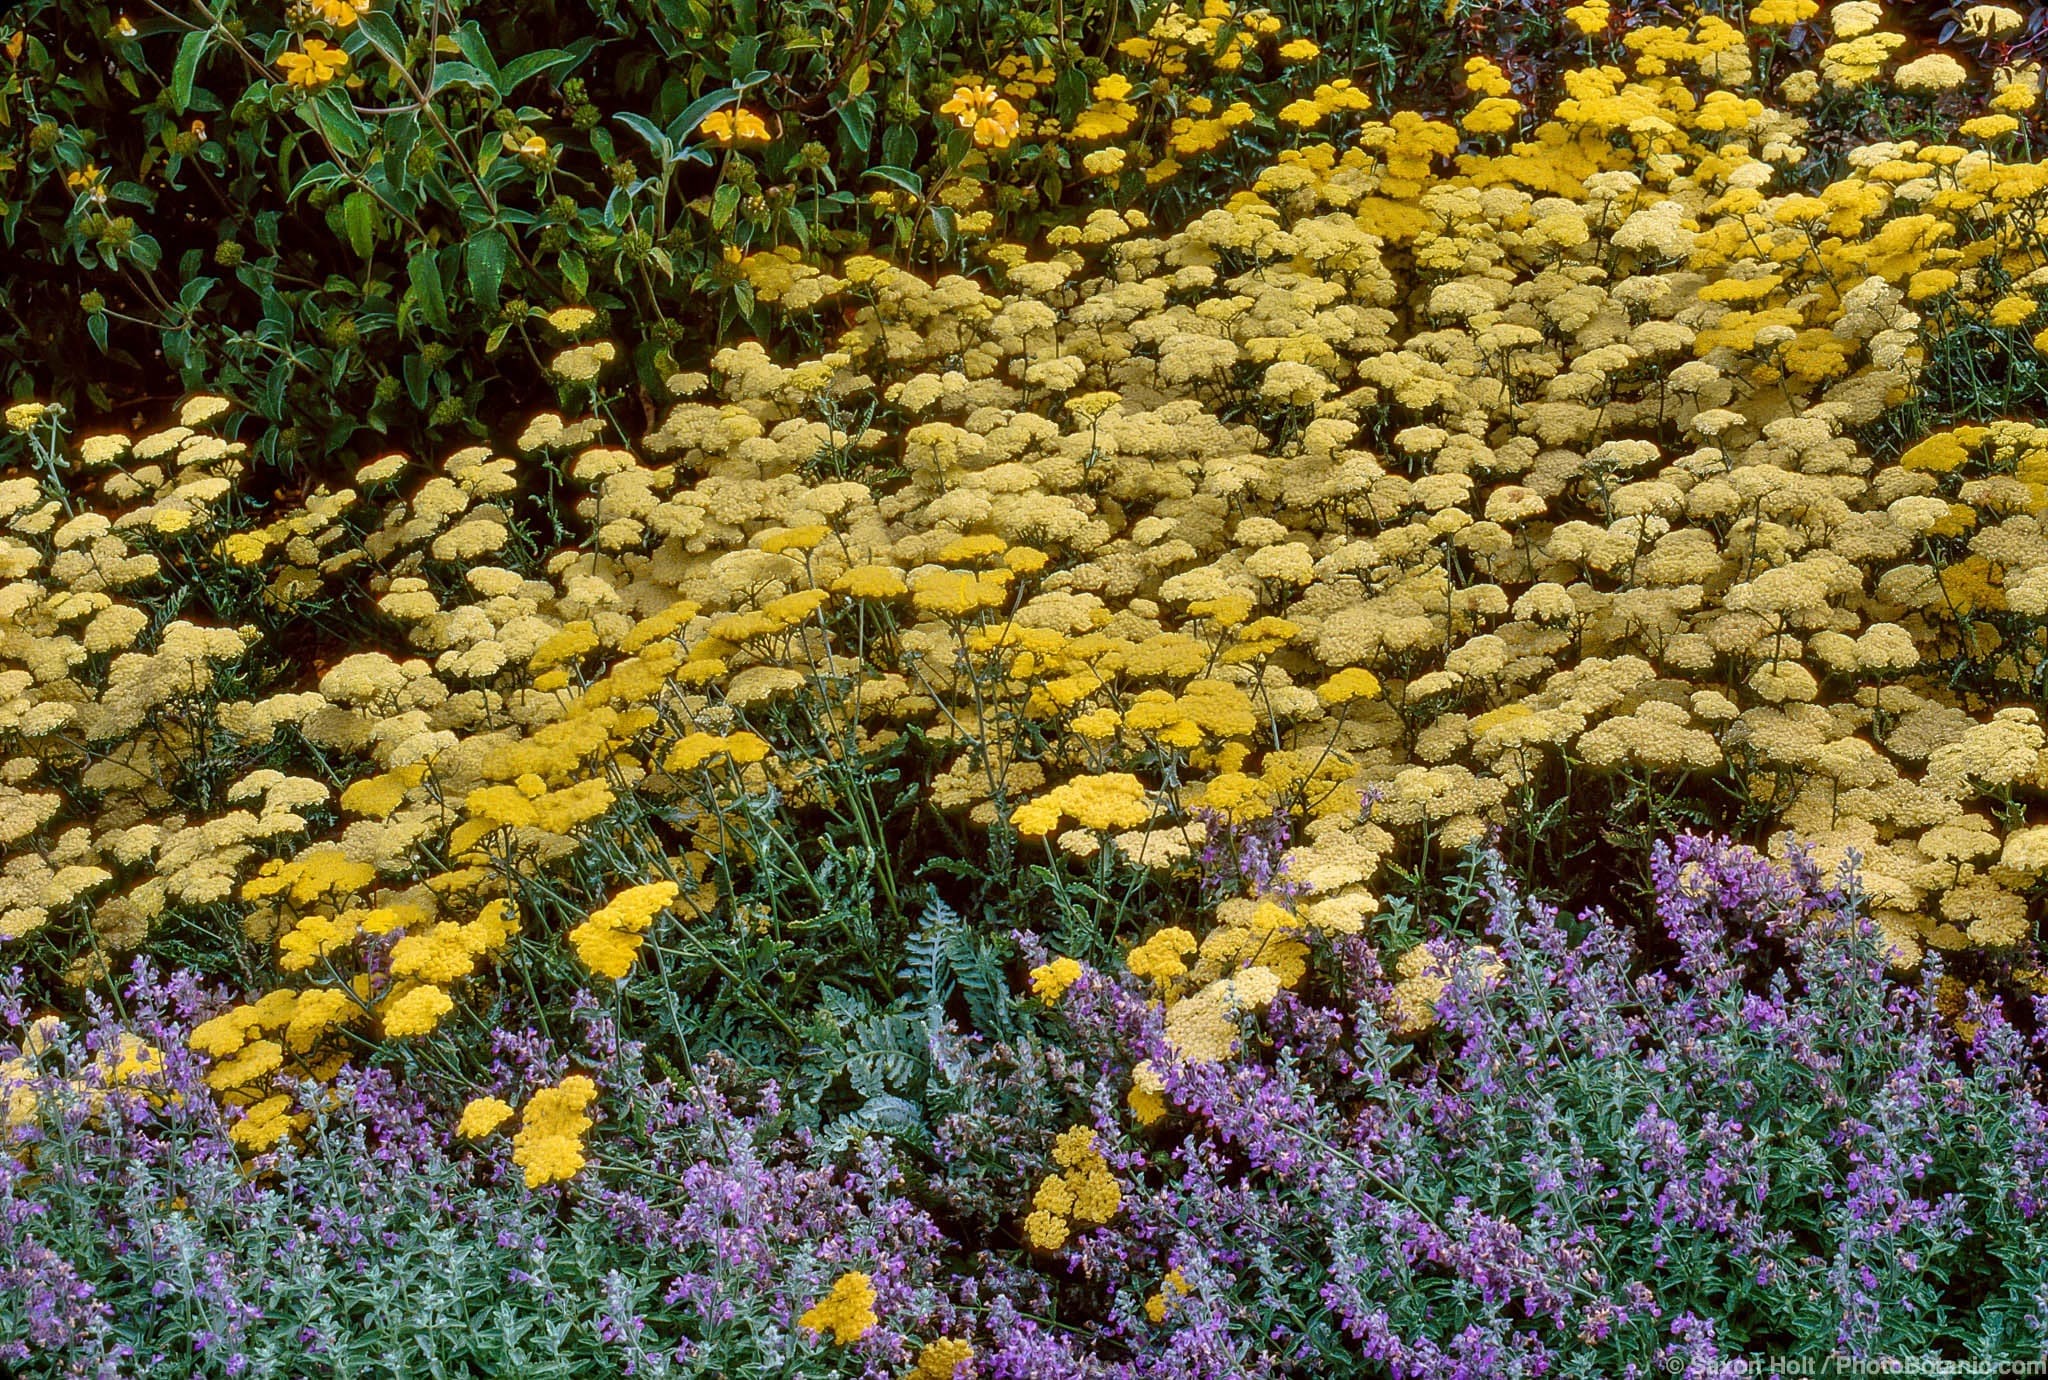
(270, 402)
(1070, 93)
(415, 369)
(277, 316)
(359, 213)
(485, 255)
(401, 133)
(330, 114)
(470, 39)
(724, 202)
(190, 49)
(856, 122)
(319, 175)
(379, 32)
(547, 60)
(899, 146)
(575, 272)
(660, 144)
(425, 273)
(899, 177)
(460, 74)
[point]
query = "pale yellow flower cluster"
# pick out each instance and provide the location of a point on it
(130, 1066)
(1422, 976)
(100, 706)
(1083, 1193)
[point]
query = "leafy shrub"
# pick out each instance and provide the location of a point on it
(350, 217)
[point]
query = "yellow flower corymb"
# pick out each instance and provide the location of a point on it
(482, 1116)
(549, 1142)
(1049, 981)
(847, 1313)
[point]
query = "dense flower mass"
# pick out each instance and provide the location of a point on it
(1069, 733)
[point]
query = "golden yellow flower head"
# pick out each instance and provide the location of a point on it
(313, 65)
(1049, 981)
(481, 1116)
(735, 126)
(847, 1313)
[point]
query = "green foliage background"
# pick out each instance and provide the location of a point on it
(359, 266)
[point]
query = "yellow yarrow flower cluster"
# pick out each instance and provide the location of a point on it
(549, 1142)
(1591, 17)
(609, 939)
(847, 1313)
(1084, 1192)
(1049, 981)
(1114, 800)
(481, 1116)
(943, 1359)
